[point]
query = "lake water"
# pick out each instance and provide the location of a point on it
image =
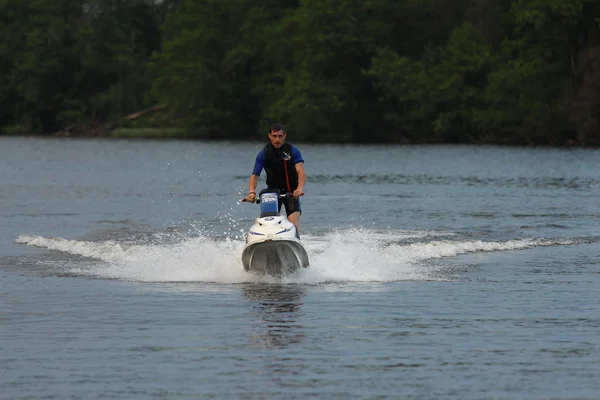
(437, 272)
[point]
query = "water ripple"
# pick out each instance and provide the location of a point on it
(508, 182)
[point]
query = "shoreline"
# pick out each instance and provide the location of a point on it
(165, 134)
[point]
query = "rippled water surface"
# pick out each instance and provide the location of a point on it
(441, 272)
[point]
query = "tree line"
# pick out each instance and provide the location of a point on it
(379, 71)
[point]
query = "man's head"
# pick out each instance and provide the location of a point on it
(277, 135)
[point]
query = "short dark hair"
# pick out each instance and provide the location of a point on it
(277, 127)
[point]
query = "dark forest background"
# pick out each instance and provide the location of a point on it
(403, 71)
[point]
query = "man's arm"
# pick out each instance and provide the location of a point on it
(252, 183)
(301, 179)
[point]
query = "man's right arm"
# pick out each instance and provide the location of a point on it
(253, 181)
(259, 164)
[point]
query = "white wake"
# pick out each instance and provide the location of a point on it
(349, 255)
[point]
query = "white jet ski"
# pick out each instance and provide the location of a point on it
(272, 243)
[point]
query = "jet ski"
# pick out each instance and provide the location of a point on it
(272, 243)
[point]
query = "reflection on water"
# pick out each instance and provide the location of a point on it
(278, 311)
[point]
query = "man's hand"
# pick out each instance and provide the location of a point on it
(251, 197)
(297, 193)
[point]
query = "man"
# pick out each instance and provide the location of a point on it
(285, 172)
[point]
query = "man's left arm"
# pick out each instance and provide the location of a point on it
(301, 179)
(299, 165)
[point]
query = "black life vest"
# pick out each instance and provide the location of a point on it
(277, 167)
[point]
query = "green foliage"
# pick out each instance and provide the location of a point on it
(200, 74)
(517, 71)
(527, 89)
(69, 62)
(458, 82)
(438, 96)
(314, 96)
(325, 94)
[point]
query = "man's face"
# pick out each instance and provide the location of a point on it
(277, 138)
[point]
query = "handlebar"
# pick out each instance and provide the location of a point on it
(281, 196)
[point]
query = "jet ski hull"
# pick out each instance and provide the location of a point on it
(275, 257)
(272, 243)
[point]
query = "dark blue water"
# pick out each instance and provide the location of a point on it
(436, 272)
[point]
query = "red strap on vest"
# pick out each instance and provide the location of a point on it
(287, 178)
